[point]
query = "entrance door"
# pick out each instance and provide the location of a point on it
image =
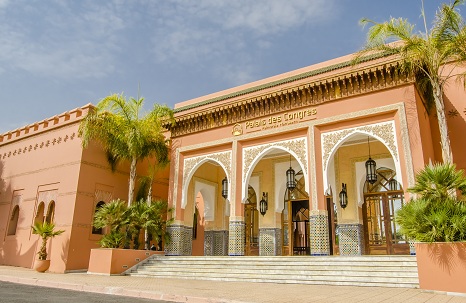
(381, 232)
(381, 201)
(299, 229)
(251, 218)
(295, 220)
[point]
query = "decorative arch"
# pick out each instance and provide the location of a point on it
(383, 132)
(40, 213)
(252, 155)
(192, 164)
(13, 221)
(50, 212)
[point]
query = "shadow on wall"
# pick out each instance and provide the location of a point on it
(12, 229)
(456, 119)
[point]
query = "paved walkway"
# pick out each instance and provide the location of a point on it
(198, 291)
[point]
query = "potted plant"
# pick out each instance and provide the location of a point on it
(124, 225)
(436, 220)
(45, 230)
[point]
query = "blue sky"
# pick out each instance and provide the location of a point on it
(56, 55)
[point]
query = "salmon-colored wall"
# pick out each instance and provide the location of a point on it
(111, 261)
(47, 157)
(43, 160)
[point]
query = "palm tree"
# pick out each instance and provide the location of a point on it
(45, 230)
(438, 182)
(156, 226)
(138, 216)
(112, 214)
(437, 214)
(125, 134)
(431, 56)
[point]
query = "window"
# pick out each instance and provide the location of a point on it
(97, 231)
(40, 213)
(13, 221)
(50, 212)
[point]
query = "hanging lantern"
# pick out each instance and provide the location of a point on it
(225, 188)
(371, 167)
(290, 178)
(263, 204)
(290, 181)
(343, 196)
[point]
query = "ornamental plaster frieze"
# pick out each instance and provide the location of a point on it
(404, 135)
(190, 164)
(102, 195)
(298, 147)
(47, 196)
(38, 145)
(385, 132)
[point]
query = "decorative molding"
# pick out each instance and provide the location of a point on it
(28, 148)
(191, 164)
(47, 196)
(297, 147)
(59, 121)
(384, 131)
(315, 91)
(102, 195)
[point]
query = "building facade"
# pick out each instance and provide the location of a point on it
(232, 152)
(273, 167)
(46, 175)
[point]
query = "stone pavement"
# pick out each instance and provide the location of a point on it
(199, 291)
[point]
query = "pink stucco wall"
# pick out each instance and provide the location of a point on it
(46, 161)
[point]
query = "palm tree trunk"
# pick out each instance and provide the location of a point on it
(146, 232)
(132, 180)
(442, 124)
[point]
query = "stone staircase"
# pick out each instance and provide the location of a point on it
(384, 271)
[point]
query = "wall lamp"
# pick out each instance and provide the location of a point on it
(263, 204)
(225, 188)
(343, 196)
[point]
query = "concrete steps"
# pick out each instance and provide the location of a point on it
(384, 271)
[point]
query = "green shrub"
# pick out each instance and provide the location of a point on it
(438, 214)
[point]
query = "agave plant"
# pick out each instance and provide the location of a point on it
(438, 214)
(45, 230)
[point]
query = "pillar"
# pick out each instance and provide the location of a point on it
(319, 233)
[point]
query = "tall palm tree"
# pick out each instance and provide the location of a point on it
(430, 55)
(126, 134)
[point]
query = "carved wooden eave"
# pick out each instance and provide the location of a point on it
(288, 95)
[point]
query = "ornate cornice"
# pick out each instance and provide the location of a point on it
(41, 144)
(45, 125)
(316, 91)
(308, 74)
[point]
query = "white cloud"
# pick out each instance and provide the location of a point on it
(90, 39)
(200, 32)
(60, 39)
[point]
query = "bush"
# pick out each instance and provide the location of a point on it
(439, 213)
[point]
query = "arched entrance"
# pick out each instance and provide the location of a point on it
(205, 211)
(295, 220)
(381, 201)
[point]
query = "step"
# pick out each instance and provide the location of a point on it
(387, 271)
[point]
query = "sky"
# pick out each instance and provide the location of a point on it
(56, 55)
